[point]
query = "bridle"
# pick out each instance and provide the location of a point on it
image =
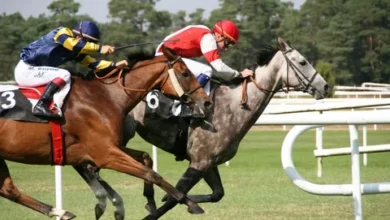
(298, 73)
(172, 75)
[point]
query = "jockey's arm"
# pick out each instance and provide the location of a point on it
(66, 38)
(210, 52)
(97, 65)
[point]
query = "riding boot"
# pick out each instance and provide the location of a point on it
(42, 107)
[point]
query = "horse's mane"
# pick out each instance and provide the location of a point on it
(265, 54)
(139, 55)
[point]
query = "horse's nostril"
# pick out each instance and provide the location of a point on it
(208, 105)
(326, 87)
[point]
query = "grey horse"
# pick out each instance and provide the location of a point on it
(211, 144)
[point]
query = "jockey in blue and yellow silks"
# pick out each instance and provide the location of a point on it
(39, 60)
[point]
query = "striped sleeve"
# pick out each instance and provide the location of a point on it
(210, 52)
(98, 65)
(66, 38)
(209, 48)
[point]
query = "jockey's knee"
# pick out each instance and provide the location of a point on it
(64, 75)
(62, 79)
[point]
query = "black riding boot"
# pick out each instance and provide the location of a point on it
(42, 107)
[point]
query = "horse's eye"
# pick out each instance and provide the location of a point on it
(186, 73)
(303, 62)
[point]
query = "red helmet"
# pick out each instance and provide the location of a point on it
(227, 29)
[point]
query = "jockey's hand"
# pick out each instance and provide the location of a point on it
(122, 64)
(246, 73)
(107, 49)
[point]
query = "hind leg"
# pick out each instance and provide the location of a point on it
(9, 191)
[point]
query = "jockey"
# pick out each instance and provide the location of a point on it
(198, 40)
(39, 60)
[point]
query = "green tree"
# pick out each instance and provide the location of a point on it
(326, 71)
(11, 41)
(64, 7)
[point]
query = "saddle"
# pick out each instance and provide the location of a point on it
(16, 103)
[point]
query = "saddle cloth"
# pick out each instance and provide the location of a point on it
(17, 103)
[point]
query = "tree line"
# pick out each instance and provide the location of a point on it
(348, 41)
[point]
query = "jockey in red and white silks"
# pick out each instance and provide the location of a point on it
(198, 40)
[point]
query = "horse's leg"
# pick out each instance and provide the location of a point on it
(9, 191)
(117, 160)
(100, 193)
(114, 197)
(145, 159)
(213, 179)
(189, 179)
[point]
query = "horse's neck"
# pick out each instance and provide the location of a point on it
(109, 94)
(268, 77)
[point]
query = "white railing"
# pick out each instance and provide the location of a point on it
(356, 189)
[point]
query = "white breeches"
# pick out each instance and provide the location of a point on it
(33, 76)
(197, 68)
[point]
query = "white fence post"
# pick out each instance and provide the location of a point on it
(319, 141)
(355, 166)
(58, 185)
(365, 144)
(154, 156)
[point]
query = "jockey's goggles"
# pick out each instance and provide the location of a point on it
(227, 43)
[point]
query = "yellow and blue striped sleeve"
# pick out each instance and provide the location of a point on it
(94, 64)
(66, 38)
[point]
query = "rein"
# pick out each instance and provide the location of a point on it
(301, 78)
(244, 95)
(171, 74)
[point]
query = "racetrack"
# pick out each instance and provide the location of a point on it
(256, 186)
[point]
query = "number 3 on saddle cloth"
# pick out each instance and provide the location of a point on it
(16, 103)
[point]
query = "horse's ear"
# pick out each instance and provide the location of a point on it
(282, 45)
(168, 53)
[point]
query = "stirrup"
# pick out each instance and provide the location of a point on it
(42, 111)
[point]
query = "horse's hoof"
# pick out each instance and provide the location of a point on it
(195, 209)
(151, 208)
(68, 215)
(165, 198)
(119, 216)
(98, 212)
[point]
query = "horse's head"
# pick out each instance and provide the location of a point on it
(300, 74)
(182, 84)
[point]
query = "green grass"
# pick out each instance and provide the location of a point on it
(256, 186)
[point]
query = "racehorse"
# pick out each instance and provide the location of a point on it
(236, 108)
(94, 113)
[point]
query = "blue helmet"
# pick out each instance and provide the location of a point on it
(87, 29)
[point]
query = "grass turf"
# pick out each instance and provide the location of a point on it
(256, 186)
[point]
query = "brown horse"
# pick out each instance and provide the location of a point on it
(94, 113)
